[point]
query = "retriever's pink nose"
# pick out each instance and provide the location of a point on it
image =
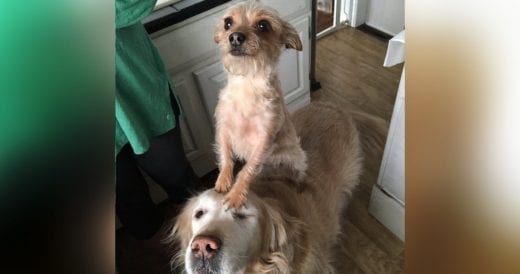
(205, 246)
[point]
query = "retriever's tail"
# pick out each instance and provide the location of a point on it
(373, 131)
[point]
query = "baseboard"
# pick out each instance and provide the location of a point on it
(368, 29)
(387, 211)
(299, 102)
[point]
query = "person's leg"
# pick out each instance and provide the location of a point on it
(134, 207)
(166, 163)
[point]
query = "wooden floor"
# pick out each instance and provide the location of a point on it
(349, 66)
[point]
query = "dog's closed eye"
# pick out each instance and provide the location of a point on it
(239, 216)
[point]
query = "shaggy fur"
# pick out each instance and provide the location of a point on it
(281, 229)
(252, 122)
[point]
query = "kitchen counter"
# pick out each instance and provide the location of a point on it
(166, 15)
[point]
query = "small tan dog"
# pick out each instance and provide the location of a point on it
(252, 122)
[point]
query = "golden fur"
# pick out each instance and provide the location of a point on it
(252, 122)
(288, 230)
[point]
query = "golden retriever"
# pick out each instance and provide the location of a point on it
(282, 228)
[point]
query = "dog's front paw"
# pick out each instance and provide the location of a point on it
(235, 199)
(224, 182)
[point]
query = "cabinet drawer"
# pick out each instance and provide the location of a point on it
(210, 81)
(189, 42)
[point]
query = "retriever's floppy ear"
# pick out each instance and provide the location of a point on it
(275, 238)
(291, 37)
(181, 231)
(275, 229)
(282, 236)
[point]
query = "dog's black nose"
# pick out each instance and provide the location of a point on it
(237, 39)
(205, 246)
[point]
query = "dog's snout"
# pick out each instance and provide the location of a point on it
(237, 38)
(205, 246)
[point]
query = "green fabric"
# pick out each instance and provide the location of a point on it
(143, 107)
(129, 12)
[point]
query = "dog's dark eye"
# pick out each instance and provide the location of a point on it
(239, 216)
(228, 23)
(199, 213)
(263, 25)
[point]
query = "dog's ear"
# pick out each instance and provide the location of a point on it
(275, 241)
(291, 37)
(275, 229)
(181, 231)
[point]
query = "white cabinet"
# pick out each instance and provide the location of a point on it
(391, 177)
(193, 61)
(210, 80)
(387, 201)
(195, 127)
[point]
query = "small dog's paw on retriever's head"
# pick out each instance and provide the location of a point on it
(236, 198)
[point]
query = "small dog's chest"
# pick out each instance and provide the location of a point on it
(245, 110)
(246, 98)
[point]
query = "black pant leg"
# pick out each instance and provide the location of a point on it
(166, 163)
(134, 207)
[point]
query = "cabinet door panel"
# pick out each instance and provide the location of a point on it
(289, 72)
(210, 80)
(196, 131)
(190, 144)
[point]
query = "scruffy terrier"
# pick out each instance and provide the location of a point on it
(252, 122)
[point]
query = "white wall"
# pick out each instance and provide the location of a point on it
(345, 9)
(358, 12)
(386, 15)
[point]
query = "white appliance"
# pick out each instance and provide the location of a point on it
(387, 202)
